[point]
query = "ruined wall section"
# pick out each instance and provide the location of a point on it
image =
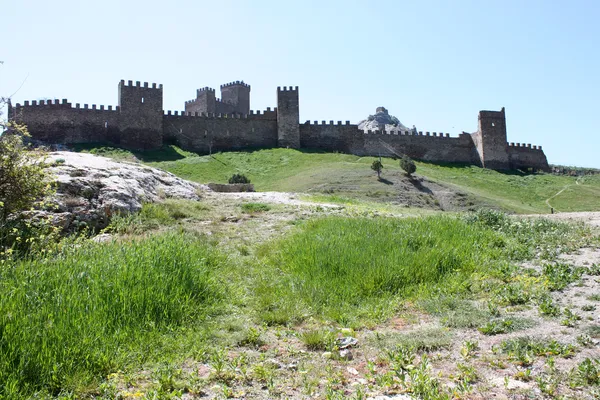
(288, 117)
(141, 115)
(62, 123)
(210, 133)
(524, 156)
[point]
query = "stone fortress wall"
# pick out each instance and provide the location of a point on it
(209, 125)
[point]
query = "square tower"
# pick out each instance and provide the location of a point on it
(141, 115)
(238, 95)
(288, 117)
(490, 140)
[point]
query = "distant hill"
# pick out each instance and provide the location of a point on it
(381, 120)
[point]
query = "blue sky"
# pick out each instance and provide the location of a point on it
(433, 64)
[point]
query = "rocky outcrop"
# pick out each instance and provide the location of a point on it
(381, 120)
(91, 189)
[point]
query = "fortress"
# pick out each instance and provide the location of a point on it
(209, 125)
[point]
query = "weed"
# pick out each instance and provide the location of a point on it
(504, 325)
(587, 373)
(253, 208)
(571, 319)
(252, 338)
(594, 297)
(318, 339)
(588, 307)
(548, 308)
(468, 349)
(559, 275)
(523, 375)
(518, 347)
(431, 339)
(594, 331)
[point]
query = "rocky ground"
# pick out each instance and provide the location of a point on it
(90, 189)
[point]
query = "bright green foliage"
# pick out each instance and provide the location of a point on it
(377, 166)
(95, 308)
(23, 180)
(252, 208)
(339, 265)
(408, 165)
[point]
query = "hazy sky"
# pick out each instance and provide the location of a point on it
(433, 64)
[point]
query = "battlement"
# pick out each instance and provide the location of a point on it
(286, 89)
(206, 115)
(524, 146)
(235, 83)
(324, 123)
(139, 85)
(63, 104)
(205, 89)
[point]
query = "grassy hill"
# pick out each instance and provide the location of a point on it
(346, 176)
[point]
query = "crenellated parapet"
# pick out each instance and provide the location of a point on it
(235, 83)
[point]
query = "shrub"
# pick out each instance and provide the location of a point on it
(24, 179)
(377, 166)
(239, 178)
(408, 165)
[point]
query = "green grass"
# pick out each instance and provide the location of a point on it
(253, 208)
(349, 176)
(70, 320)
(341, 268)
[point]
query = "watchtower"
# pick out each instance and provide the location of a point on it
(238, 95)
(490, 140)
(288, 117)
(141, 115)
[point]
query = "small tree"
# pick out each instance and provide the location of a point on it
(23, 178)
(239, 178)
(377, 166)
(408, 165)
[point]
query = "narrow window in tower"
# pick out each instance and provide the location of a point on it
(142, 99)
(105, 124)
(493, 124)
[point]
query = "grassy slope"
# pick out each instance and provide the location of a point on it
(348, 175)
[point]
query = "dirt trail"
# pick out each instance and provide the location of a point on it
(559, 192)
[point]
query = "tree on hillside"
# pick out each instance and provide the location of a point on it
(408, 165)
(377, 166)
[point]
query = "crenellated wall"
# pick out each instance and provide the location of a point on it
(210, 133)
(139, 123)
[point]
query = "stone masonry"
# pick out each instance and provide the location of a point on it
(209, 125)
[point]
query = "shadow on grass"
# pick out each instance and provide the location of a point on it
(387, 182)
(165, 153)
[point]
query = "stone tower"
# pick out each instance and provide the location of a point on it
(238, 95)
(490, 140)
(288, 117)
(141, 114)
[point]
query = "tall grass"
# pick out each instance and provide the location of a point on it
(76, 317)
(348, 269)
(339, 266)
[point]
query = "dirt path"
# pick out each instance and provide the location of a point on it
(559, 192)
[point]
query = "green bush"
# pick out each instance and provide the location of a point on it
(408, 165)
(377, 166)
(239, 178)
